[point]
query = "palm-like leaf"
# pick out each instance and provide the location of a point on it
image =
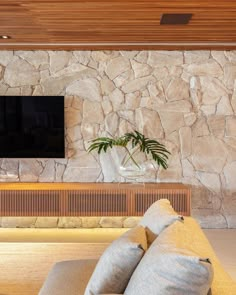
(148, 146)
(103, 143)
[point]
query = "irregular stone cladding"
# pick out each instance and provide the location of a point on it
(184, 99)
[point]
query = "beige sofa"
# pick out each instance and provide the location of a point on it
(71, 277)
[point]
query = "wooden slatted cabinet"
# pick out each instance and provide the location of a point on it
(89, 199)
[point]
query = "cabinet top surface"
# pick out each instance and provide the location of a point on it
(87, 186)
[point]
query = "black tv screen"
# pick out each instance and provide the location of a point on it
(32, 127)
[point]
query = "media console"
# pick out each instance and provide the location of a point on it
(89, 199)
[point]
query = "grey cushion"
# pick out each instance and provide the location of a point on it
(172, 267)
(157, 217)
(117, 263)
(68, 278)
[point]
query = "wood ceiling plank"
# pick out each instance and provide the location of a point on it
(117, 21)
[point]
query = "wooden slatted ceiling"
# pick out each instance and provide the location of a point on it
(117, 24)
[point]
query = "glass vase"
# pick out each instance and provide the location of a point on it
(131, 164)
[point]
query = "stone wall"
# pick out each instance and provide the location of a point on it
(187, 100)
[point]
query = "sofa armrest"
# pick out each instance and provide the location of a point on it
(68, 277)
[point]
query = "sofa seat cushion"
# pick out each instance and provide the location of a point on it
(68, 277)
(171, 266)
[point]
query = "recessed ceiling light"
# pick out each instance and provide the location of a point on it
(175, 18)
(5, 37)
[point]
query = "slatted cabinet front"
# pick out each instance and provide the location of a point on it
(90, 199)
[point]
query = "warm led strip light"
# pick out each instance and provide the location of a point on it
(123, 44)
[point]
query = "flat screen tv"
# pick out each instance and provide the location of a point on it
(32, 127)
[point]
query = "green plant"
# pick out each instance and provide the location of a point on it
(148, 146)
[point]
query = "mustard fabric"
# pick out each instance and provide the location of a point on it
(222, 284)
